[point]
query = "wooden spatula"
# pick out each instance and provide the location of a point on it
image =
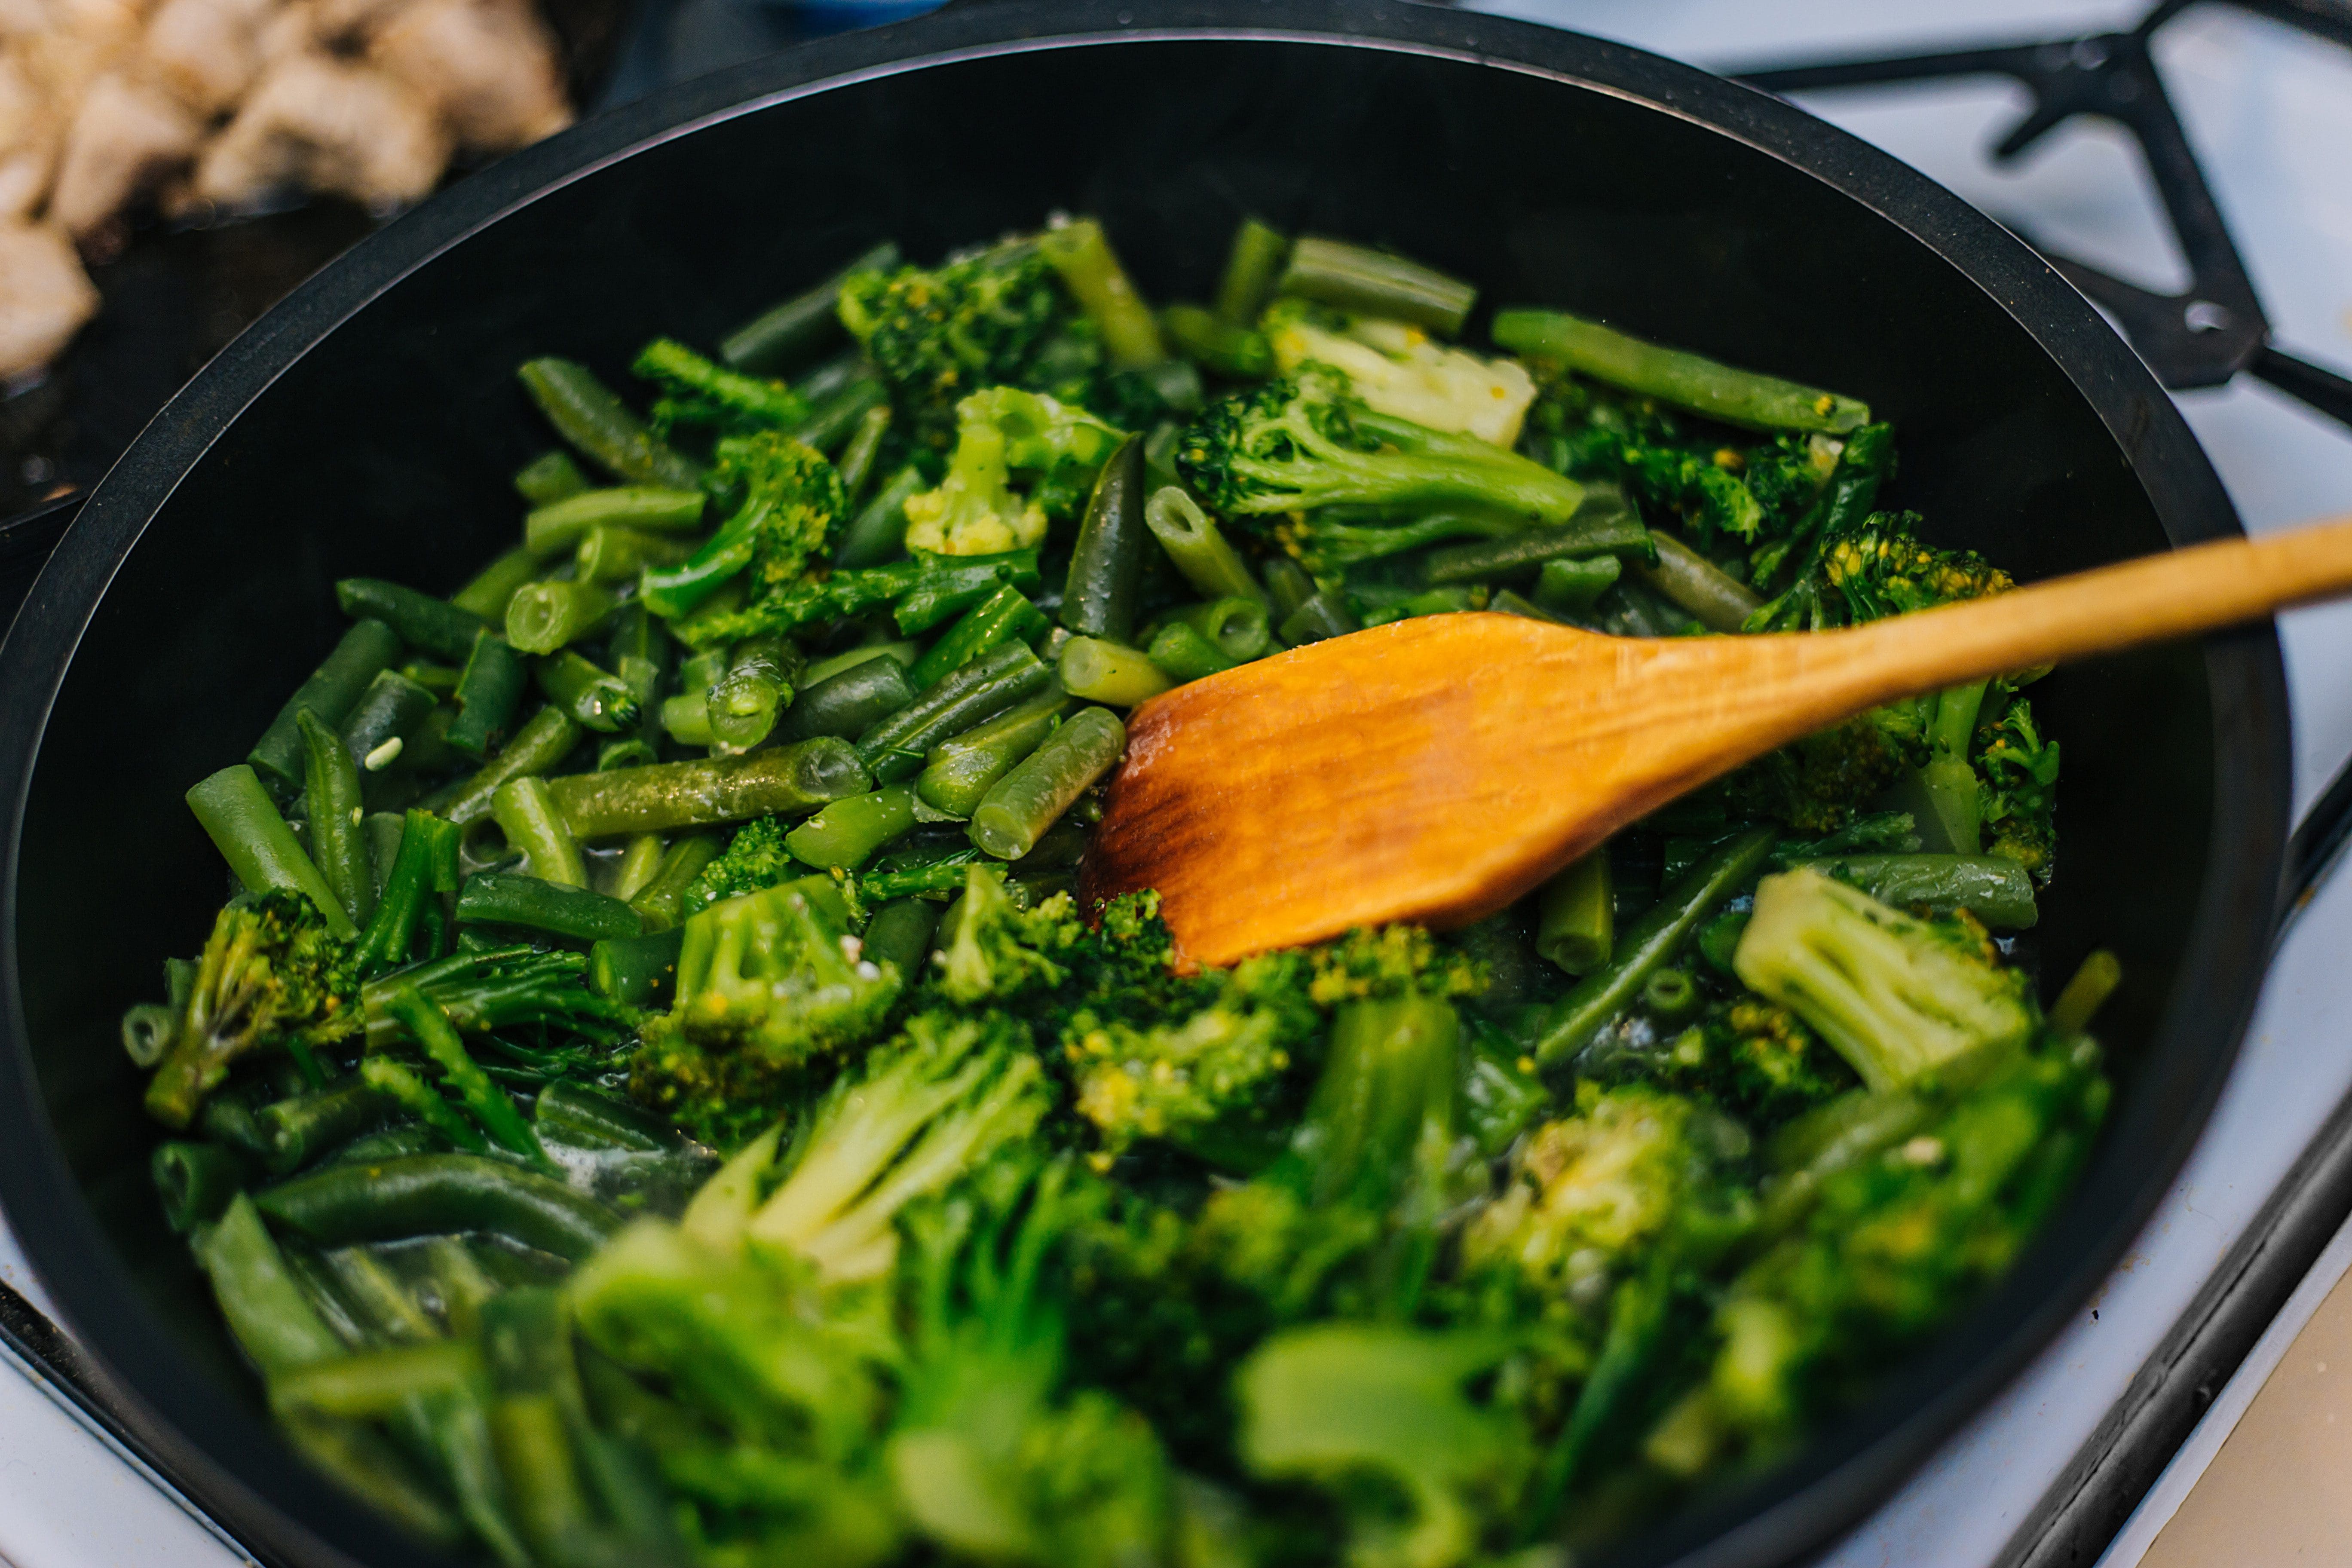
(1436, 768)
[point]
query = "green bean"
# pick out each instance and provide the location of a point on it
(742, 706)
(587, 1119)
(1650, 943)
(1200, 554)
(896, 748)
(427, 841)
(383, 832)
(686, 375)
(802, 324)
(333, 690)
(905, 653)
(1024, 803)
(362, 1462)
(849, 701)
(542, 1473)
(833, 420)
(381, 1304)
(1216, 344)
(293, 1132)
(549, 531)
(425, 623)
(494, 898)
(544, 616)
(489, 691)
(549, 477)
(1287, 587)
(400, 1083)
(1089, 269)
(856, 463)
(264, 1305)
(1718, 599)
(1101, 671)
(666, 795)
(1671, 996)
(1322, 615)
(1253, 269)
(658, 903)
(484, 1099)
(847, 832)
(1184, 653)
(900, 933)
(596, 697)
(494, 584)
(246, 827)
(392, 1143)
(685, 718)
(1004, 616)
(640, 862)
(2094, 980)
(638, 970)
(598, 425)
(945, 585)
(1576, 925)
(622, 554)
(440, 679)
(1375, 283)
(1686, 380)
(371, 1384)
(879, 532)
(196, 1182)
(543, 741)
(525, 814)
(943, 876)
(1615, 530)
(331, 801)
(1237, 627)
(390, 709)
(1998, 891)
(1569, 587)
(148, 1031)
(1107, 562)
(433, 1194)
(961, 769)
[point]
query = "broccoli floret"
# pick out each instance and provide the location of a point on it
(2020, 793)
(987, 1461)
(1390, 961)
(1399, 369)
(698, 394)
(937, 336)
(272, 974)
(767, 983)
(1337, 1404)
(925, 590)
(1817, 785)
(1305, 441)
(1755, 1060)
(791, 502)
(999, 950)
(1876, 568)
(1897, 997)
(1329, 542)
(930, 1105)
(974, 510)
(755, 858)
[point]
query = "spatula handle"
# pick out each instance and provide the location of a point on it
(2154, 599)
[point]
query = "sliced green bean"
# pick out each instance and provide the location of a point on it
(597, 698)
(856, 463)
(790, 331)
(391, 708)
(333, 690)
(1101, 671)
(293, 1132)
(879, 532)
(640, 862)
(425, 623)
(1998, 891)
(743, 705)
(659, 903)
(1571, 587)
(1089, 269)
(436, 1194)
(1616, 532)
(525, 814)
(1200, 551)
(487, 594)
(426, 843)
(1686, 380)
(543, 741)
(1215, 344)
(1651, 942)
(900, 933)
(1238, 627)
(196, 1182)
(835, 419)
(599, 426)
(1004, 616)
(641, 971)
(263, 1303)
(1324, 614)
(549, 477)
(846, 833)
(1184, 654)
(2094, 981)
(1375, 283)
(849, 701)
(1576, 927)
(493, 897)
(544, 616)
(489, 691)
(331, 801)
(781, 779)
(246, 827)
(1253, 271)
(550, 532)
(1024, 803)
(896, 748)
(1106, 562)
(148, 1030)
(1718, 599)
(961, 769)
(609, 555)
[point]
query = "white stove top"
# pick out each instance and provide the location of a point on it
(2271, 112)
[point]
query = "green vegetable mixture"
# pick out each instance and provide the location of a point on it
(656, 1099)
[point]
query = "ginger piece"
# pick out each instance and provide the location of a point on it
(488, 66)
(329, 125)
(209, 52)
(127, 137)
(45, 296)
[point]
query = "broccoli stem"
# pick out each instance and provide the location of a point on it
(552, 531)
(1651, 942)
(1253, 269)
(1374, 283)
(1672, 376)
(484, 1100)
(1213, 343)
(1576, 928)
(1998, 891)
(1089, 269)
(246, 827)
(1699, 585)
(680, 369)
(1200, 551)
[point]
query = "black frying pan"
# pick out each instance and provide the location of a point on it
(368, 425)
